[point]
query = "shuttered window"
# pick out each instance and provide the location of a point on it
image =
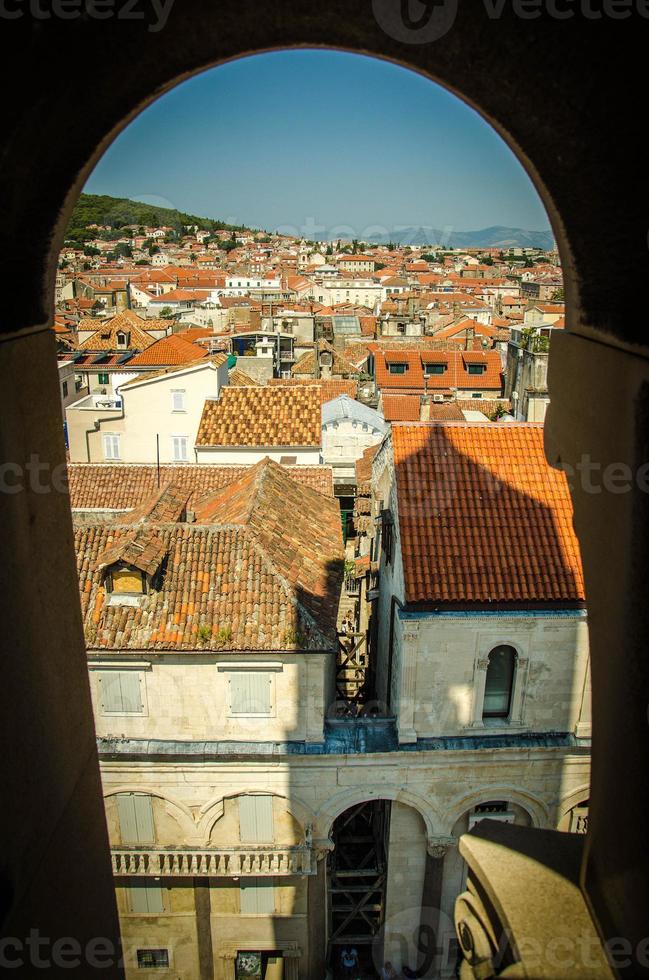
(257, 896)
(121, 692)
(178, 401)
(179, 449)
(255, 819)
(135, 812)
(111, 446)
(250, 692)
(146, 898)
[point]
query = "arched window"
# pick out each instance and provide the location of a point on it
(499, 683)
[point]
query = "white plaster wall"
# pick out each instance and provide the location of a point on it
(188, 699)
(247, 455)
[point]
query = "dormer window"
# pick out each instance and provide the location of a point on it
(397, 367)
(431, 369)
(476, 368)
(122, 339)
(125, 580)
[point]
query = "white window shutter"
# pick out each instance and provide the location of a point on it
(178, 401)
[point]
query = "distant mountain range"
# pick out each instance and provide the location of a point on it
(498, 236)
(118, 211)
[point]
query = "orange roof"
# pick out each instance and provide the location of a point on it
(170, 350)
(263, 416)
(483, 518)
(329, 387)
(401, 408)
(106, 330)
(234, 579)
(455, 374)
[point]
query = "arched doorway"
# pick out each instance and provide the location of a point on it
(378, 890)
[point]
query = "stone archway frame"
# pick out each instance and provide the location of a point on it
(348, 798)
(174, 808)
(573, 799)
(212, 811)
(533, 805)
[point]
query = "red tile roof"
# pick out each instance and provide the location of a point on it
(170, 350)
(121, 486)
(456, 374)
(261, 569)
(329, 387)
(483, 518)
(262, 416)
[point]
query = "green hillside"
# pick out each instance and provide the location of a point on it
(117, 212)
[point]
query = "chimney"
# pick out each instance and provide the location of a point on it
(424, 408)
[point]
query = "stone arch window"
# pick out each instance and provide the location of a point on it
(499, 682)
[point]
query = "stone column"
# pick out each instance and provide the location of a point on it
(228, 959)
(431, 905)
(317, 917)
(407, 684)
(204, 928)
(292, 964)
(479, 681)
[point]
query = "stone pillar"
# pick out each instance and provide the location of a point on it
(407, 683)
(228, 959)
(479, 682)
(317, 918)
(204, 928)
(291, 959)
(431, 904)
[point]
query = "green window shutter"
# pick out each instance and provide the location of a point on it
(130, 686)
(257, 896)
(255, 819)
(135, 818)
(259, 693)
(250, 692)
(238, 693)
(121, 692)
(111, 691)
(146, 898)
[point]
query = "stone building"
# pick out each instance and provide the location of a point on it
(236, 789)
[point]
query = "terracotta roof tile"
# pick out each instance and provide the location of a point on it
(262, 416)
(482, 516)
(167, 351)
(329, 387)
(261, 569)
(455, 375)
(120, 486)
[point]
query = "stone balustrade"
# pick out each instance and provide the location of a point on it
(228, 862)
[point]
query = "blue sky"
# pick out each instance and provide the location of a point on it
(292, 139)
